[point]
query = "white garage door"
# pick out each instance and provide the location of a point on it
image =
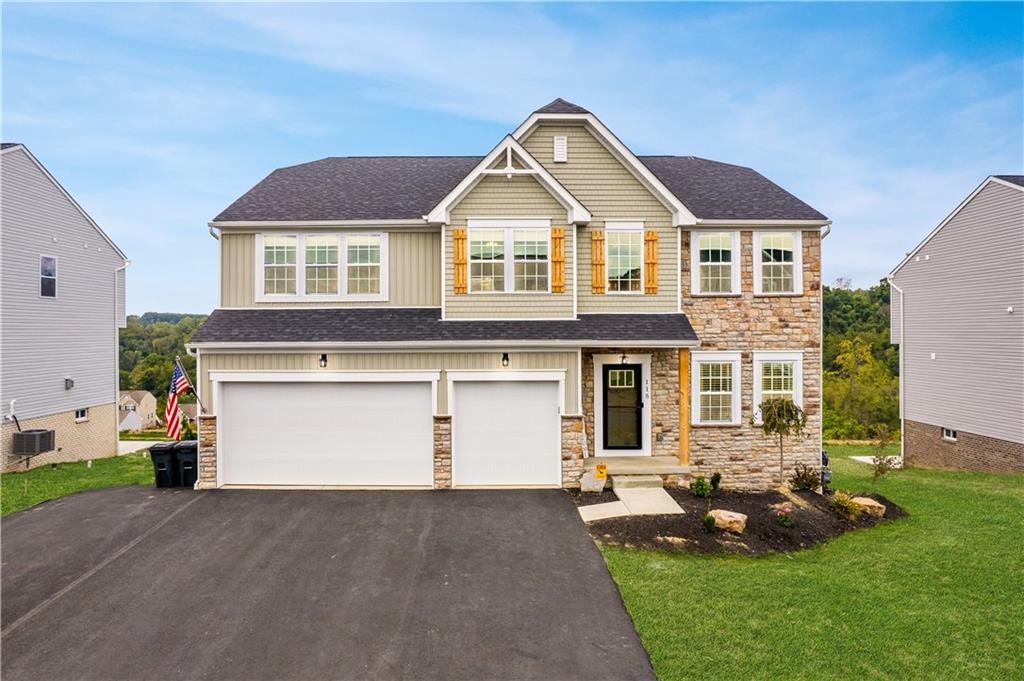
(361, 434)
(506, 433)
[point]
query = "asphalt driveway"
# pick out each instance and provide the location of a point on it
(137, 583)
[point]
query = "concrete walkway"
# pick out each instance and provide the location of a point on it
(633, 501)
(129, 446)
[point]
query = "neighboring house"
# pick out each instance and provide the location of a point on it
(509, 319)
(138, 410)
(63, 284)
(188, 414)
(958, 317)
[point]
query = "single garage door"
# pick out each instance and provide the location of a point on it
(506, 433)
(361, 434)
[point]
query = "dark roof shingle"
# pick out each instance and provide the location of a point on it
(417, 325)
(5, 145)
(1013, 179)
(560, 106)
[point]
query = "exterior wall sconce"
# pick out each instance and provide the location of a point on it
(323, 360)
(504, 359)
(68, 384)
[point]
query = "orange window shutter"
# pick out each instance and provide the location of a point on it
(597, 261)
(650, 261)
(459, 259)
(557, 260)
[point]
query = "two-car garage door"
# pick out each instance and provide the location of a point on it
(380, 433)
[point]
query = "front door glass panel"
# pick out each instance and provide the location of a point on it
(623, 406)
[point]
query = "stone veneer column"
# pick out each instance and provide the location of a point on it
(207, 452)
(442, 452)
(572, 450)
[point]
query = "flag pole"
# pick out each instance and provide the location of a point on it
(177, 360)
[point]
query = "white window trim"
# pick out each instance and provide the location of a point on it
(300, 270)
(695, 263)
(508, 226)
(716, 357)
(763, 356)
(84, 417)
(798, 262)
(949, 438)
(56, 278)
(624, 226)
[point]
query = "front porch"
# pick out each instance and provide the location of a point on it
(637, 465)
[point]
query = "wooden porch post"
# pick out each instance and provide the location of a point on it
(684, 406)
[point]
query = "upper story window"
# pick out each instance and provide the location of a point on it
(47, 276)
(777, 375)
(513, 259)
(715, 388)
(777, 263)
(324, 267)
(625, 257)
(715, 263)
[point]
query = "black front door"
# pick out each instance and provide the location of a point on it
(623, 406)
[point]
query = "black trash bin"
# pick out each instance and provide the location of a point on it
(165, 465)
(187, 454)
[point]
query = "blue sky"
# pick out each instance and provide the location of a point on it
(882, 116)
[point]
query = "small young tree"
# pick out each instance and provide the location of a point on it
(881, 462)
(783, 418)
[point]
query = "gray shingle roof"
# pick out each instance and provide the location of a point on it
(417, 325)
(5, 145)
(1014, 179)
(560, 106)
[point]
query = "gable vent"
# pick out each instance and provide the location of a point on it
(561, 151)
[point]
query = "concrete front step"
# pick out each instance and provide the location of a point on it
(637, 482)
(638, 465)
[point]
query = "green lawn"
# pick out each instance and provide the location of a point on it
(21, 490)
(937, 595)
(154, 434)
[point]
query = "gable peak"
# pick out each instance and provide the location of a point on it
(561, 106)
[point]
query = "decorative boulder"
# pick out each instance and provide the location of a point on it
(869, 506)
(591, 483)
(729, 521)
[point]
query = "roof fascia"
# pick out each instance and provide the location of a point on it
(761, 223)
(681, 215)
(956, 211)
(440, 345)
(576, 212)
(230, 224)
(68, 196)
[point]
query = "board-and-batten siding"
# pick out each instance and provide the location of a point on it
(414, 271)
(555, 360)
(610, 192)
(45, 340)
(955, 305)
(516, 197)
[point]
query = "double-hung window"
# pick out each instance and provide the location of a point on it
(715, 263)
(777, 263)
(47, 276)
(321, 267)
(777, 374)
(509, 259)
(625, 257)
(715, 388)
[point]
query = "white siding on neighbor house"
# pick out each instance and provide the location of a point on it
(45, 340)
(414, 270)
(957, 291)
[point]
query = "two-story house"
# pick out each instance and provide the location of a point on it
(62, 289)
(958, 318)
(137, 410)
(510, 319)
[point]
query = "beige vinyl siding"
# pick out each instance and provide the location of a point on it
(554, 360)
(610, 192)
(45, 340)
(516, 197)
(414, 271)
(955, 305)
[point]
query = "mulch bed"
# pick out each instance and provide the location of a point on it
(815, 522)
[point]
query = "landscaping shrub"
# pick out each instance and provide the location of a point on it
(700, 486)
(716, 480)
(842, 504)
(805, 477)
(709, 523)
(784, 517)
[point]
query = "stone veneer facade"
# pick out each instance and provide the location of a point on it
(924, 446)
(207, 452)
(442, 452)
(93, 438)
(572, 450)
(747, 323)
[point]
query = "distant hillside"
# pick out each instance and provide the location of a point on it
(170, 317)
(148, 347)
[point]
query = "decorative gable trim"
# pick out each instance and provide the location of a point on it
(576, 212)
(681, 215)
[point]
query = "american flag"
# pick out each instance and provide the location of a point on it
(172, 414)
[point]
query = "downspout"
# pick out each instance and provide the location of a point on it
(903, 423)
(117, 353)
(215, 235)
(826, 229)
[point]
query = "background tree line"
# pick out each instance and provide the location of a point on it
(861, 389)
